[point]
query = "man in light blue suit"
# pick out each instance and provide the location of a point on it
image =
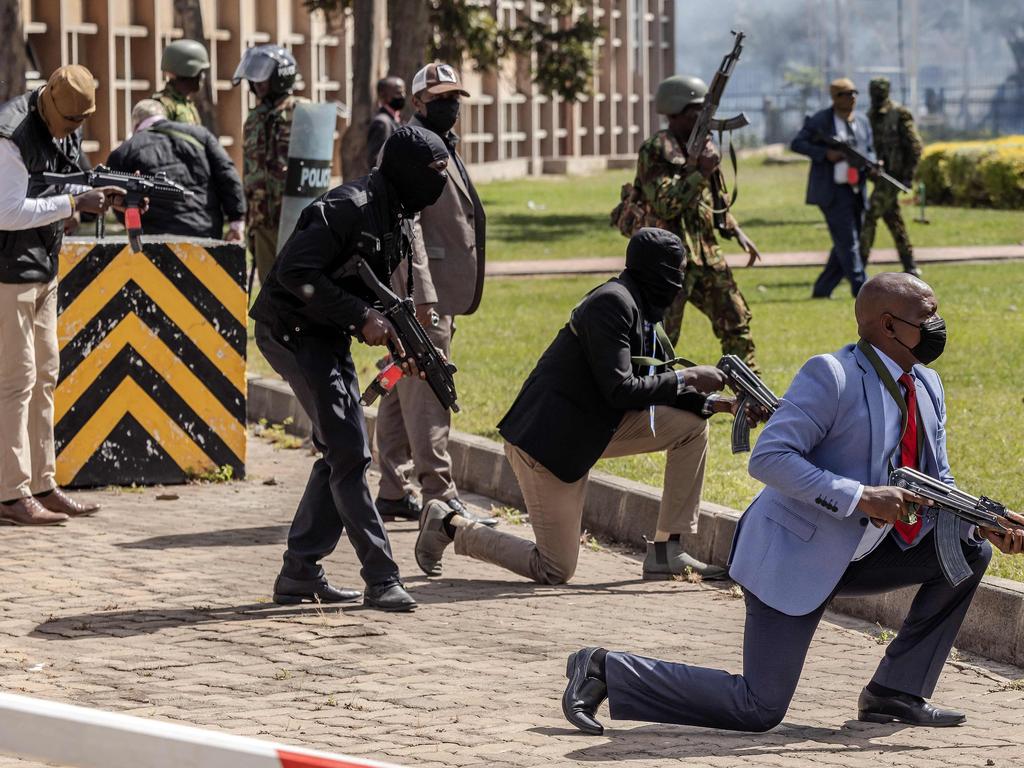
(839, 190)
(826, 524)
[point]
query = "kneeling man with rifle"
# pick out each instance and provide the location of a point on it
(321, 293)
(603, 388)
(832, 522)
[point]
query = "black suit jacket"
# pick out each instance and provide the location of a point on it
(571, 404)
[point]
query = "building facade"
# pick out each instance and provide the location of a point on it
(506, 123)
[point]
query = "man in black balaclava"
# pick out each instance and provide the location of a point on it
(593, 395)
(306, 315)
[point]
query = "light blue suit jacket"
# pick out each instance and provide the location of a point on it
(796, 539)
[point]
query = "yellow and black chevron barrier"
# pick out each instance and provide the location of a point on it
(152, 362)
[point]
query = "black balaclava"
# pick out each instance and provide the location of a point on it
(654, 260)
(405, 163)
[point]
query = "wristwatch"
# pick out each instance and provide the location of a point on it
(709, 405)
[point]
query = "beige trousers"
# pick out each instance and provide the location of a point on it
(29, 366)
(411, 433)
(556, 507)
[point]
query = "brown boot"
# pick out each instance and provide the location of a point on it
(28, 511)
(58, 501)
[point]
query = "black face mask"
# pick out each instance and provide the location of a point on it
(933, 339)
(405, 163)
(397, 103)
(442, 114)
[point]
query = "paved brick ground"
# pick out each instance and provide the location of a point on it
(160, 608)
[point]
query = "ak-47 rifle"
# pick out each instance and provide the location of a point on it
(138, 187)
(749, 389)
(950, 505)
(859, 160)
(402, 315)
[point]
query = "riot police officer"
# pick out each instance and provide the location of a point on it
(307, 314)
(183, 63)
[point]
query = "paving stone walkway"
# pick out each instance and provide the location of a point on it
(159, 608)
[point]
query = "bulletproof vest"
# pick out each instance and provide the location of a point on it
(30, 255)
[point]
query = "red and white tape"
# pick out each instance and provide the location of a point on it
(90, 738)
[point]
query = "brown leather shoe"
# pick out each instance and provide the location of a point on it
(28, 511)
(58, 501)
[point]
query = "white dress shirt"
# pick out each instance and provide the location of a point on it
(844, 132)
(20, 212)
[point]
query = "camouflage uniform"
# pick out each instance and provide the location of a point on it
(180, 109)
(898, 145)
(684, 206)
(267, 132)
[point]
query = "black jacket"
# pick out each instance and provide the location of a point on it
(307, 290)
(571, 404)
(193, 157)
(30, 255)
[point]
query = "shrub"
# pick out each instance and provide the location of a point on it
(975, 173)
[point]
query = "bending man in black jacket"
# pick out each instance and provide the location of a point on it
(306, 315)
(587, 399)
(194, 158)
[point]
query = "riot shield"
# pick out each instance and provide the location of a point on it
(309, 163)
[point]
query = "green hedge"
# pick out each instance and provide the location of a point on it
(986, 174)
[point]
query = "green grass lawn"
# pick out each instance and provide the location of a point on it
(562, 218)
(497, 347)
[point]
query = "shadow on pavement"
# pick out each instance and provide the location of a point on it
(446, 590)
(230, 537)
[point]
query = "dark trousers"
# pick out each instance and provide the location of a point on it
(775, 646)
(336, 499)
(844, 217)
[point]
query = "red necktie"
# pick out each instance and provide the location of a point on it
(908, 451)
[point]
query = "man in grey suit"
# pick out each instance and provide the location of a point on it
(449, 237)
(840, 190)
(826, 524)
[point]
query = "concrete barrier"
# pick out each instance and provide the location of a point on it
(623, 511)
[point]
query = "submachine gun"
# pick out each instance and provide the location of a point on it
(749, 389)
(157, 188)
(949, 506)
(859, 160)
(402, 315)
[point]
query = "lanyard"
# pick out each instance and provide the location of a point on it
(894, 391)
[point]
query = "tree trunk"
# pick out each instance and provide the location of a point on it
(15, 62)
(369, 30)
(189, 16)
(410, 30)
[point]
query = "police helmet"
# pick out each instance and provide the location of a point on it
(268, 62)
(676, 93)
(185, 58)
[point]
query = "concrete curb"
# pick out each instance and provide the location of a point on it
(623, 511)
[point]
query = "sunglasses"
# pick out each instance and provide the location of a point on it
(847, 93)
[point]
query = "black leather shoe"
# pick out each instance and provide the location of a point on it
(904, 708)
(388, 597)
(406, 508)
(289, 591)
(583, 695)
(456, 506)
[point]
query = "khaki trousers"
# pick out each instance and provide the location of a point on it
(411, 434)
(263, 246)
(556, 507)
(29, 366)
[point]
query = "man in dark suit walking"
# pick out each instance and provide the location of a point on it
(835, 186)
(589, 396)
(390, 101)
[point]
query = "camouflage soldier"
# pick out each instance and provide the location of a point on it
(680, 196)
(183, 64)
(271, 72)
(898, 145)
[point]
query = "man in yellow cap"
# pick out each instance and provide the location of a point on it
(840, 190)
(40, 131)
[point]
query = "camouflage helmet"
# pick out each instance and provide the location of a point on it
(676, 93)
(879, 89)
(185, 58)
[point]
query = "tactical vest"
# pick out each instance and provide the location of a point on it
(30, 255)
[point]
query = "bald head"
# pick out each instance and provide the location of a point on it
(890, 308)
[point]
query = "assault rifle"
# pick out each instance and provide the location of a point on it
(949, 506)
(706, 120)
(859, 160)
(402, 315)
(749, 389)
(156, 188)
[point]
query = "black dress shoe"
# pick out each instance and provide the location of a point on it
(583, 694)
(456, 506)
(904, 708)
(406, 508)
(388, 597)
(289, 591)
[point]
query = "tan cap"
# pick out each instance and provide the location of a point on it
(841, 84)
(69, 93)
(436, 79)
